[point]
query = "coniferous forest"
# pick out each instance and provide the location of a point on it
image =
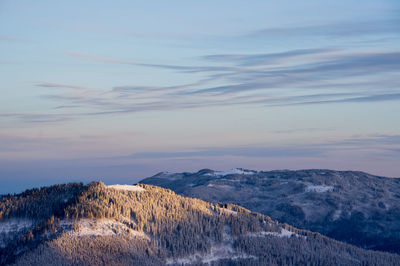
(77, 224)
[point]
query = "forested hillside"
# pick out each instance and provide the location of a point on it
(350, 206)
(93, 224)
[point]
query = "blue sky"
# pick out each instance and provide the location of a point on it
(117, 91)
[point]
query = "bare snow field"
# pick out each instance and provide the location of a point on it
(127, 187)
(103, 227)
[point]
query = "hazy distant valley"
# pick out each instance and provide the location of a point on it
(94, 224)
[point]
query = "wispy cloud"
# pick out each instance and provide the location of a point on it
(294, 77)
(359, 99)
(235, 151)
(297, 130)
(45, 143)
(39, 118)
(375, 144)
(132, 63)
(265, 59)
(62, 86)
(312, 73)
(342, 29)
(380, 140)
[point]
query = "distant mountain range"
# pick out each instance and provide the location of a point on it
(354, 207)
(94, 224)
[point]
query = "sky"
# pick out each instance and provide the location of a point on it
(120, 90)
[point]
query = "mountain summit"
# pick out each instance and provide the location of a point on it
(350, 206)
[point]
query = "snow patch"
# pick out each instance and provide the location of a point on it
(282, 233)
(336, 215)
(127, 187)
(230, 212)
(286, 233)
(319, 188)
(88, 227)
(220, 186)
(14, 225)
(234, 171)
(10, 227)
(217, 252)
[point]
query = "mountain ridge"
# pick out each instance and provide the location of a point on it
(95, 224)
(351, 206)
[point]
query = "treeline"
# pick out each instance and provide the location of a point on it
(40, 203)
